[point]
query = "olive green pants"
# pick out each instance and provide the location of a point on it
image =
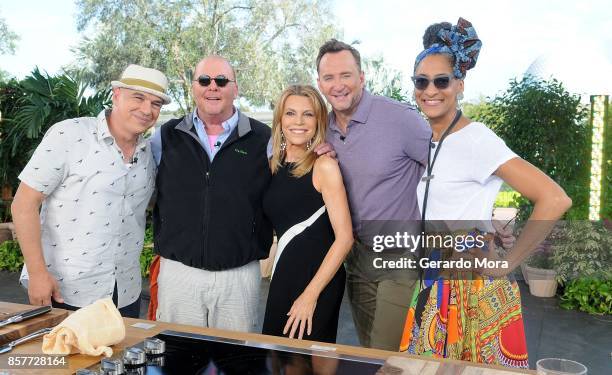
(379, 298)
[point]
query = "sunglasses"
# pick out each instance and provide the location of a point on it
(221, 80)
(441, 82)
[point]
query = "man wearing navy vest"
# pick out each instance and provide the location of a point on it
(209, 228)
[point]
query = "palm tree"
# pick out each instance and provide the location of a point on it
(49, 100)
(31, 106)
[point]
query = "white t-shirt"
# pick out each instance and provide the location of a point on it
(464, 187)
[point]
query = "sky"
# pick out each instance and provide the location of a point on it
(573, 38)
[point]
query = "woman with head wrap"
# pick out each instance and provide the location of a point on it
(470, 314)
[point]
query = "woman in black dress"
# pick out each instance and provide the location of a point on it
(307, 205)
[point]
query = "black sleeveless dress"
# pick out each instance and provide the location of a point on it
(287, 202)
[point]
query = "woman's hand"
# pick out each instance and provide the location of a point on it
(325, 148)
(490, 255)
(494, 272)
(504, 236)
(300, 315)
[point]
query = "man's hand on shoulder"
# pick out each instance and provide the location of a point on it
(325, 148)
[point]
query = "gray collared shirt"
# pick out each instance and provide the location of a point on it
(381, 158)
(93, 214)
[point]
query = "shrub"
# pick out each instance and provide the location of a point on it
(506, 199)
(581, 249)
(146, 257)
(591, 295)
(548, 127)
(11, 258)
(540, 260)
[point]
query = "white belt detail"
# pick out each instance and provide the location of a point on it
(292, 232)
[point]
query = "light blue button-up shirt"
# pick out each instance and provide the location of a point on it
(228, 127)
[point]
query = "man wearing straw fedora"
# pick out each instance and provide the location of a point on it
(93, 177)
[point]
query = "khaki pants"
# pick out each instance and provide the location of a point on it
(379, 299)
(218, 299)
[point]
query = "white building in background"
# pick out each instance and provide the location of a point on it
(587, 73)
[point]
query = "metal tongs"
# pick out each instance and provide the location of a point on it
(8, 347)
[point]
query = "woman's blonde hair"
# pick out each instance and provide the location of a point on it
(305, 164)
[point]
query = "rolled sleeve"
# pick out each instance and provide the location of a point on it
(420, 137)
(491, 152)
(47, 167)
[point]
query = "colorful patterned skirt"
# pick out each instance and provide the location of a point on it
(467, 317)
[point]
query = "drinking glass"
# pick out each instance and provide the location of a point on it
(559, 366)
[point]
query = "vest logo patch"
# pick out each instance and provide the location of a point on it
(240, 151)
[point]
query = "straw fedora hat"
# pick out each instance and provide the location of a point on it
(139, 78)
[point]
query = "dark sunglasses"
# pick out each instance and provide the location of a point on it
(221, 80)
(441, 82)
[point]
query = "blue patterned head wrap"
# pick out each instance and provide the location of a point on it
(461, 42)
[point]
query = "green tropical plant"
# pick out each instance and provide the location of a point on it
(29, 107)
(51, 99)
(581, 249)
(10, 162)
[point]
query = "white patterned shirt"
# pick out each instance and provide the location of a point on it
(93, 214)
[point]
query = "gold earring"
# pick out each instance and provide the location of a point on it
(283, 144)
